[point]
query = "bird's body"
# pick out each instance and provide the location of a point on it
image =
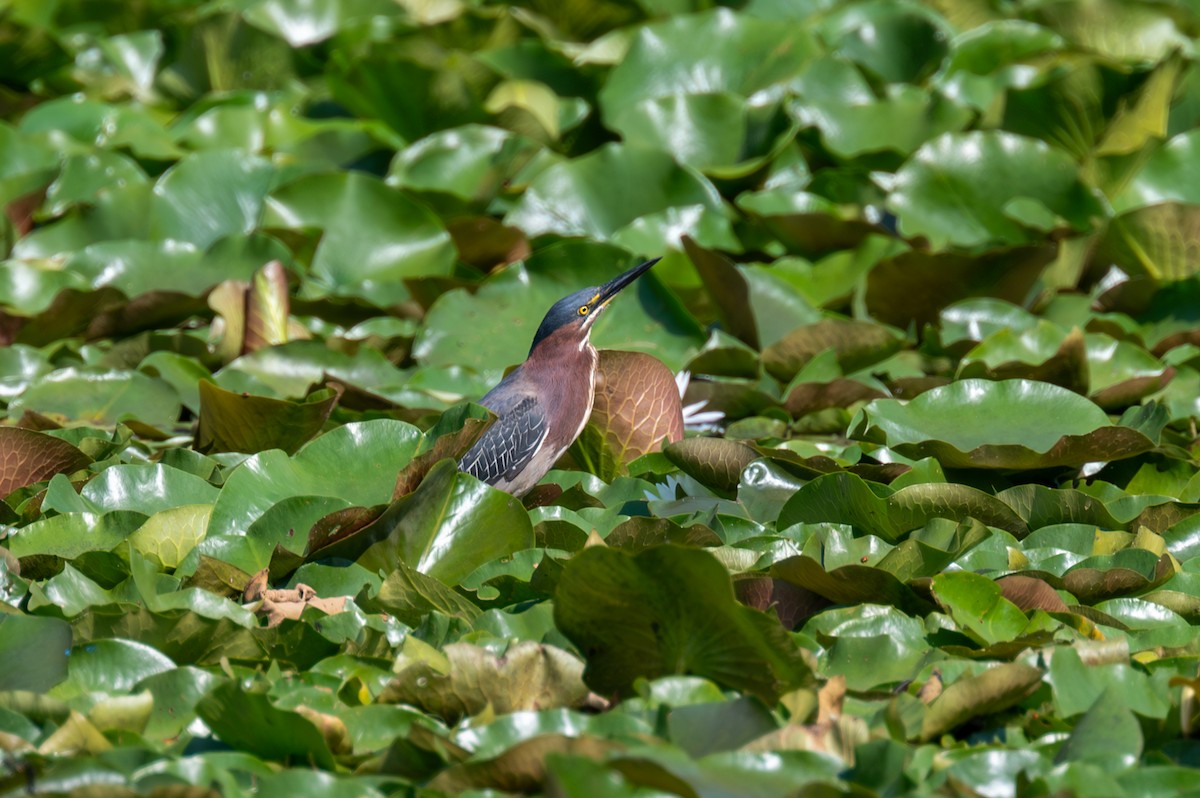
(544, 404)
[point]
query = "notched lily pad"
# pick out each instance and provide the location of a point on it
(1012, 424)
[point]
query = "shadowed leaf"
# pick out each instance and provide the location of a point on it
(454, 433)
(248, 721)
(670, 610)
(849, 584)
(728, 290)
(233, 422)
(410, 596)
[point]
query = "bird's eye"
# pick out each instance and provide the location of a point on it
(583, 310)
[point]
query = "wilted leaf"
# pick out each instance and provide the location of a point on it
(267, 308)
(529, 676)
(994, 690)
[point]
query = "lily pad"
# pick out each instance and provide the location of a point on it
(1010, 424)
(989, 188)
(666, 610)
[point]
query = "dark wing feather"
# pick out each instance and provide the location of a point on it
(509, 444)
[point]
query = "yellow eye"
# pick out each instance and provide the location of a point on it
(583, 310)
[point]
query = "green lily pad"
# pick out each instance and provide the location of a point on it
(704, 54)
(590, 196)
(447, 527)
(373, 236)
(989, 189)
(1009, 424)
(668, 610)
(846, 498)
(355, 462)
(102, 397)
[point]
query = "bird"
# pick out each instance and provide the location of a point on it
(543, 404)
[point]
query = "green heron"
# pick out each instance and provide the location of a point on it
(543, 405)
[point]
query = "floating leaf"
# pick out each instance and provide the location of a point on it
(670, 610)
(1108, 734)
(857, 344)
(446, 528)
(590, 196)
(33, 652)
(989, 188)
(1008, 424)
(978, 606)
(232, 422)
(715, 462)
(703, 54)
(849, 584)
(846, 498)
(373, 236)
(250, 722)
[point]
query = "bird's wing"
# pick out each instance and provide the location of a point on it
(509, 444)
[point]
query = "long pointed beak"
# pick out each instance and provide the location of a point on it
(614, 286)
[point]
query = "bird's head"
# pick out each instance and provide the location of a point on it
(578, 311)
